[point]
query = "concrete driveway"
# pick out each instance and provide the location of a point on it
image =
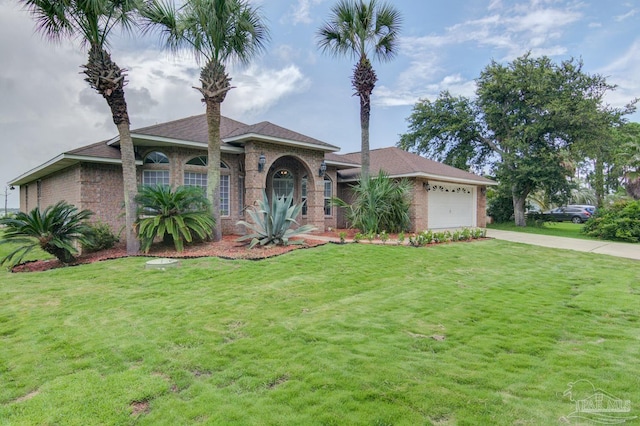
(628, 250)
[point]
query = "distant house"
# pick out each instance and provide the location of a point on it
(254, 157)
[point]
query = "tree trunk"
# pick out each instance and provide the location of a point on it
(365, 114)
(213, 161)
(599, 181)
(518, 208)
(108, 80)
(130, 183)
(363, 81)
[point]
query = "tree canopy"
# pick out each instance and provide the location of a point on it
(521, 125)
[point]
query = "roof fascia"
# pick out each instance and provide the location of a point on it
(72, 159)
(280, 141)
(439, 178)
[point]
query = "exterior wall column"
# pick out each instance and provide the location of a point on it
(254, 181)
(419, 209)
(315, 198)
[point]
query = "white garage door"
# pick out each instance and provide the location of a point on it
(451, 206)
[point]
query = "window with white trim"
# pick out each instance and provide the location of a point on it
(283, 183)
(305, 209)
(328, 194)
(159, 173)
(200, 179)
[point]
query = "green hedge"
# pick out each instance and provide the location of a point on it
(620, 221)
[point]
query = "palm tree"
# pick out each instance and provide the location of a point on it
(217, 32)
(92, 21)
(356, 29)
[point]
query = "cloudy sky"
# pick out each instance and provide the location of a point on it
(46, 108)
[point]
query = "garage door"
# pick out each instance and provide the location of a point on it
(451, 206)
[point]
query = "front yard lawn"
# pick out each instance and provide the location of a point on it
(486, 332)
(556, 229)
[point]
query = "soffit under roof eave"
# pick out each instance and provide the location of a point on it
(148, 140)
(438, 178)
(249, 137)
(340, 165)
(61, 162)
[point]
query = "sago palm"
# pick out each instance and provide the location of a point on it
(175, 216)
(217, 32)
(357, 29)
(54, 230)
(93, 21)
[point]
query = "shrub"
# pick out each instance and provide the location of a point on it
(100, 237)
(54, 230)
(380, 203)
(174, 216)
(499, 205)
(620, 221)
(343, 236)
(272, 222)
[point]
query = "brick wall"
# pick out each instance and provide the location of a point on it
(103, 194)
(42, 193)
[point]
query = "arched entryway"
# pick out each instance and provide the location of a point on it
(290, 175)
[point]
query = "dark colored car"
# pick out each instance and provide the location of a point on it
(591, 209)
(575, 214)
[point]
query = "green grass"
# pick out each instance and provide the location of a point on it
(556, 229)
(339, 334)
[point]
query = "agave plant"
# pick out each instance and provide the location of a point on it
(272, 222)
(174, 216)
(54, 230)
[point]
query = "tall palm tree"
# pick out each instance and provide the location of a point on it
(93, 21)
(217, 32)
(357, 28)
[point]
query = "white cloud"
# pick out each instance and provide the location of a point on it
(259, 89)
(454, 83)
(624, 73)
(626, 16)
(534, 26)
(300, 13)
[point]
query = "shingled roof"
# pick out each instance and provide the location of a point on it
(194, 129)
(399, 163)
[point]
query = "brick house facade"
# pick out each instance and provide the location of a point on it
(254, 158)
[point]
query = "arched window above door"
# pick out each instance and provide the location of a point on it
(283, 182)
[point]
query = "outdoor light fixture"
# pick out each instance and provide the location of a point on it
(426, 186)
(262, 160)
(12, 187)
(323, 168)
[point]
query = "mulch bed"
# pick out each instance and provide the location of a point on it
(228, 248)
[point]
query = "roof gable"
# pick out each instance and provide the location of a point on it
(397, 162)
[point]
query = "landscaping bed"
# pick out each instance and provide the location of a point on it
(227, 248)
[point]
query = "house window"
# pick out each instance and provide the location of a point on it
(156, 157)
(155, 177)
(224, 195)
(328, 193)
(283, 183)
(158, 173)
(200, 179)
(199, 161)
(195, 179)
(241, 195)
(304, 195)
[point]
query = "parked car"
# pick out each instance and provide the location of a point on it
(591, 209)
(575, 214)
